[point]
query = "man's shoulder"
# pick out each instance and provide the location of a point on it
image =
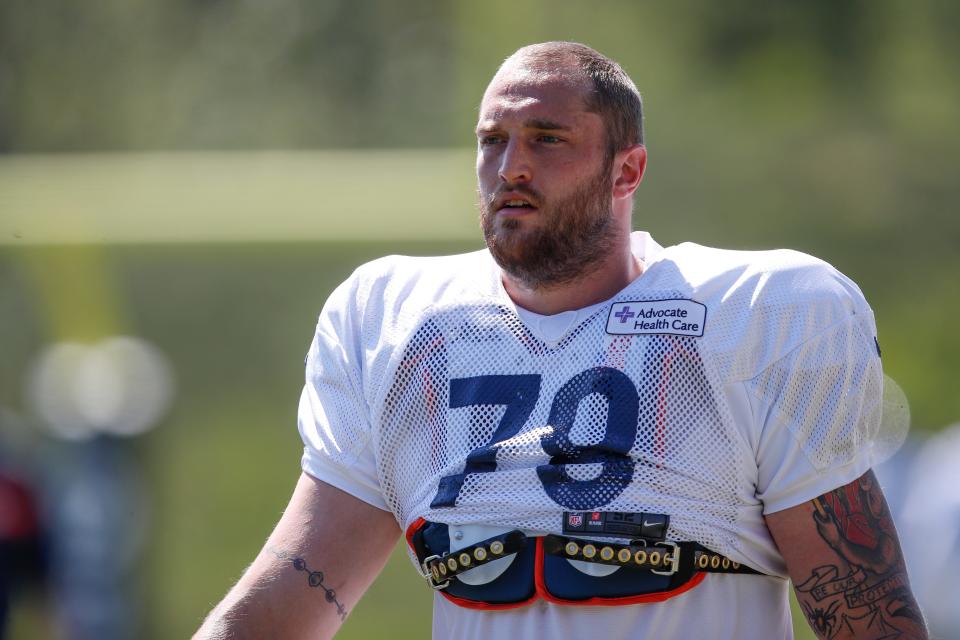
(397, 282)
(712, 262)
(763, 278)
(402, 267)
(761, 305)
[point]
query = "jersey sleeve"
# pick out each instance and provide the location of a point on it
(819, 409)
(333, 416)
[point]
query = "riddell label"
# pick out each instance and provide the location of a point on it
(679, 316)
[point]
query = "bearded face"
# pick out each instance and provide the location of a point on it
(571, 233)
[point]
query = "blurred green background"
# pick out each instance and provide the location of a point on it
(202, 173)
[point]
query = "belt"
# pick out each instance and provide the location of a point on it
(439, 569)
(663, 557)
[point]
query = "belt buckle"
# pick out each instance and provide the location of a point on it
(428, 575)
(674, 559)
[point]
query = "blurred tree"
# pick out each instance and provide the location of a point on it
(146, 74)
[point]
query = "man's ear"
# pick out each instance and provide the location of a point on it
(628, 167)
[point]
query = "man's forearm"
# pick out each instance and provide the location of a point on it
(305, 580)
(280, 596)
(845, 560)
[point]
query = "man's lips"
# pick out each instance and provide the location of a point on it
(510, 210)
(513, 202)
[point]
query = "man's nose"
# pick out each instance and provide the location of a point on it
(515, 163)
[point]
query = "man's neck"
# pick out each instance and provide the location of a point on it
(601, 283)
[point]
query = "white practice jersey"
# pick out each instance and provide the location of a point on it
(715, 388)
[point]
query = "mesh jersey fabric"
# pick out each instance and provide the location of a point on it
(426, 394)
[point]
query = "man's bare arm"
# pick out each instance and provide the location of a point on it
(324, 553)
(844, 558)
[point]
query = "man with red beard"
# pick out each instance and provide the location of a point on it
(580, 432)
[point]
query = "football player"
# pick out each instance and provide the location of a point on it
(582, 432)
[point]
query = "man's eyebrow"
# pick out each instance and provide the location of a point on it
(550, 125)
(533, 123)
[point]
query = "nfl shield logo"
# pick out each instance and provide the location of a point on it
(575, 519)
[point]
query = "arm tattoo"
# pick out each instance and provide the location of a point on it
(867, 591)
(314, 578)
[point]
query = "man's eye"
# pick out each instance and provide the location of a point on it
(549, 139)
(487, 140)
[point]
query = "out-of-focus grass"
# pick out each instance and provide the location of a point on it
(236, 319)
(237, 197)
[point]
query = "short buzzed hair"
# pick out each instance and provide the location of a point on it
(613, 96)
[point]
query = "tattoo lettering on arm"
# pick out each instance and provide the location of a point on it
(314, 578)
(866, 594)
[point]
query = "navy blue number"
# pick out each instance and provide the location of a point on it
(612, 452)
(518, 392)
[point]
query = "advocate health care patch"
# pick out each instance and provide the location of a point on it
(676, 316)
